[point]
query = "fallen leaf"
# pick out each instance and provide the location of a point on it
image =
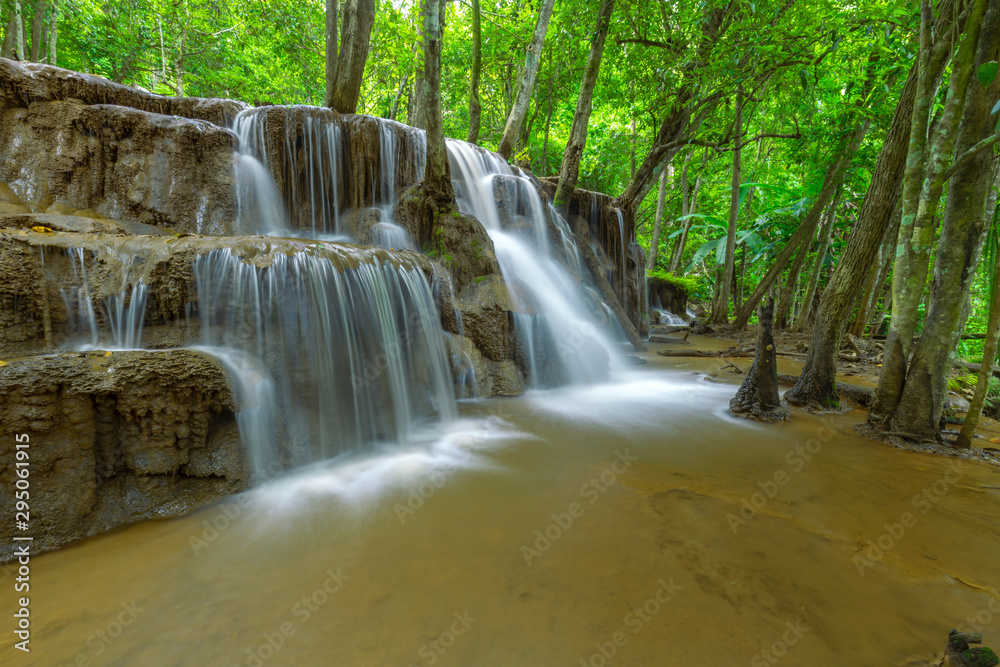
(3, 363)
(41, 230)
(107, 354)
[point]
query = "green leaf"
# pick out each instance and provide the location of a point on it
(986, 73)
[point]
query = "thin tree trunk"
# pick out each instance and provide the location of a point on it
(886, 254)
(36, 30)
(18, 26)
(962, 231)
(654, 243)
(816, 386)
(415, 113)
(437, 176)
(359, 17)
(332, 51)
(7, 48)
(923, 186)
(968, 432)
(53, 30)
(570, 170)
(691, 207)
(807, 229)
(790, 288)
(631, 154)
(802, 321)
(475, 108)
(515, 121)
(720, 313)
(403, 83)
(548, 118)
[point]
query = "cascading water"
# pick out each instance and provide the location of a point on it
(124, 311)
(559, 326)
(353, 344)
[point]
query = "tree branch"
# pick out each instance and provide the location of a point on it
(969, 154)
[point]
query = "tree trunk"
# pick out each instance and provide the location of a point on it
(923, 186)
(807, 229)
(688, 207)
(816, 387)
(332, 50)
(359, 17)
(962, 231)
(964, 440)
(758, 396)
(787, 295)
(475, 108)
(802, 321)
(437, 175)
(36, 30)
(548, 118)
(416, 115)
(678, 122)
(515, 121)
(886, 254)
(53, 30)
(720, 313)
(18, 26)
(578, 134)
(654, 243)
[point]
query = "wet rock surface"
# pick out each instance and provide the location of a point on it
(116, 438)
(123, 163)
(38, 271)
(23, 83)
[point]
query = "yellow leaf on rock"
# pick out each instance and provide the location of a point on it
(3, 363)
(107, 354)
(42, 230)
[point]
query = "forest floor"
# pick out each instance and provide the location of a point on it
(858, 364)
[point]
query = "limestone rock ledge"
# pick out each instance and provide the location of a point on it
(116, 439)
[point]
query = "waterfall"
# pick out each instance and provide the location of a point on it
(123, 311)
(560, 327)
(352, 341)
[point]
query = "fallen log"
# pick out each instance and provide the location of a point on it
(857, 396)
(705, 353)
(974, 367)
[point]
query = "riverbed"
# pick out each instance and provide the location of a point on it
(630, 523)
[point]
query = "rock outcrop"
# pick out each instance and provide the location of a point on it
(22, 84)
(44, 275)
(122, 163)
(116, 438)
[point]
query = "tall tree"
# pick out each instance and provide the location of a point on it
(723, 282)
(570, 170)
(816, 386)
(36, 30)
(437, 174)
(515, 121)
(654, 244)
(345, 63)
(53, 30)
(802, 321)
(964, 439)
(475, 107)
(924, 387)
(923, 185)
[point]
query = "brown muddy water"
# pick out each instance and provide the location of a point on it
(626, 524)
